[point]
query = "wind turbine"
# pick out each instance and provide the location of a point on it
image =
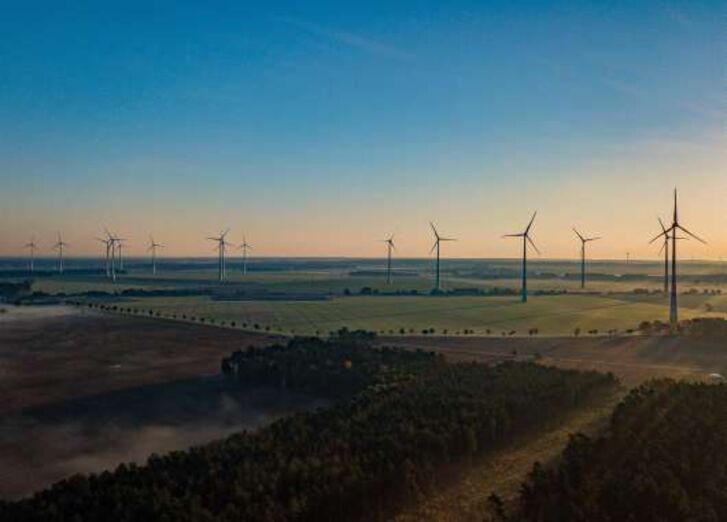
(526, 239)
(221, 244)
(112, 242)
(119, 244)
(675, 225)
(584, 240)
(389, 247)
(437, 240)
(32, 247)
(153, 245)
(244, 247)
(60, 246)
(107, 243)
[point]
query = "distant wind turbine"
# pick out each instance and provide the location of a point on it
(112, 243)
(153, 245)
(119, 244)
(437, 240)
(526, 239)
(389, 248)
(32, 247)
(675, 225)
(244, 247)
(107, 264)
(221, 244)
(60, 246)
(584, 240)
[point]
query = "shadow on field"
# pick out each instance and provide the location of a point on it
(41, 445)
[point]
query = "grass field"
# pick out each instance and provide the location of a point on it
(550, 315)
(610, 304)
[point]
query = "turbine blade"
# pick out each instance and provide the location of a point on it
(665, 233)
(532, 244)
(513, 235)
(578, 234)
(434, 246)
(693, 235)
(676, 218)
(532, 219)
(436, 234)
(663, 228)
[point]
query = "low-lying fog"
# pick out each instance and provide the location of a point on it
(43, 445)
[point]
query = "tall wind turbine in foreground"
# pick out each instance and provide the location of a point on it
(526, 239)
(584, 240)
(153, 245)
(32, 247)
(60, 246)
(244, 247)
(675, 225)
(437, 240)
(389, 248)
(221, 244)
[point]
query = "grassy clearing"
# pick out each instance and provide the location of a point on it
(466, 499)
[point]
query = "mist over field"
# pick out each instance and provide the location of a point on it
(42, 445)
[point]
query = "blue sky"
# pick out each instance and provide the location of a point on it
(318, 127)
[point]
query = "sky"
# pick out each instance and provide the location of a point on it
(320, 128)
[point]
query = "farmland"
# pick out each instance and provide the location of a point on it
(551, 315)
(317, 296)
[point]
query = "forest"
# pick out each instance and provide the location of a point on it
(662, 459)
(399, 418)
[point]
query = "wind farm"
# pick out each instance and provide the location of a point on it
(407, 262)
(483, 297)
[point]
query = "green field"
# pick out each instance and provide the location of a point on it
(324, 295)
(550, 315)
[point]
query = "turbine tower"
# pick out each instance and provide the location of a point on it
(584, 240)
(665, 249)
(389, 248)
(221, 244)
(32, 247)
(153, 245)
(437, 240)
(526, 239)
(244, 247)
(675, 225)
(60, 246)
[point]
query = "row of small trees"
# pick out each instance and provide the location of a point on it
(149, 312)
(182, 316)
